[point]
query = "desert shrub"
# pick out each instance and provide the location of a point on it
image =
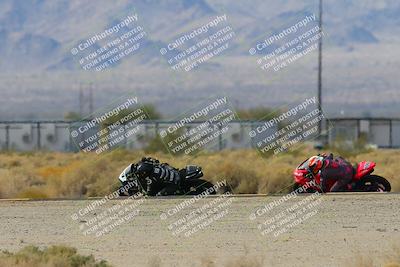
(33, 192)
(156, 144)
(346, 148)
(239, 178)
(258, 113)
(389, 259)
(49, 257)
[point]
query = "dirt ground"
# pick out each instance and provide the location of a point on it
(333, 231)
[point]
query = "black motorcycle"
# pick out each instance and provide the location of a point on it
(190, 183)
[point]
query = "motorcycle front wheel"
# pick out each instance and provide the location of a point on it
(308, 190)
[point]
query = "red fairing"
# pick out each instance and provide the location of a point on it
(364, 168)
(299, 176)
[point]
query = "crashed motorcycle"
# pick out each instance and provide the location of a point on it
(190, 183)
(363, 180)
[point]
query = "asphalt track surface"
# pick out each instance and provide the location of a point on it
(307, 230)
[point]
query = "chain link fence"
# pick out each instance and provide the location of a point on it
(55, 135)
(382, 132)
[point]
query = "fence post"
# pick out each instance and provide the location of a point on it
(38, 135)
(391, 133)
(156, 127)
(7, 136)
(251, 129)
(71, 147)
(220, 138)
(125, 138)
(326, 131)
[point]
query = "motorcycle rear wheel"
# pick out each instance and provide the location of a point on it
(198, 186)
(373, 183)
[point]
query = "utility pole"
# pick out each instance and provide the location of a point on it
(320, 67)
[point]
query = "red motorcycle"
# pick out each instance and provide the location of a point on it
(363, 180)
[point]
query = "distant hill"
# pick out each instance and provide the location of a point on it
(37, 69)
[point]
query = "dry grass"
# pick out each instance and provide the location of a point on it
(48, 174)
(390, 259)
(394, 258)
(55, 256)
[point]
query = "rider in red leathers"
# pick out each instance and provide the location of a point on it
(330, 168)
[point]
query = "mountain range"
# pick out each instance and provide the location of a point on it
(38, 71)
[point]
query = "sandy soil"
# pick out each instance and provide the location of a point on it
(340, 228)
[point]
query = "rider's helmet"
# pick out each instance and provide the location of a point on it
(144, 169)
(315, 164)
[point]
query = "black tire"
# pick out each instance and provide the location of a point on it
(372, 183)
(295, 186)
(308, 190)
(130, 192)
(121, 192)
(198, 186)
